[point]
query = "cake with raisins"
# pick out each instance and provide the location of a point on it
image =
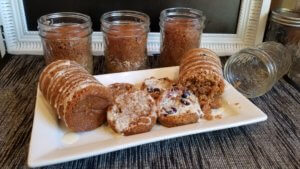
(156, 86)
(178, 106)
(201, 72)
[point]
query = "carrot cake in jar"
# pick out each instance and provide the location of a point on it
(125, 40)
(181, 30)
(67, 35)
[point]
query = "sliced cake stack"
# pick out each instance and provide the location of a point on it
(78, 98)
(201, 72)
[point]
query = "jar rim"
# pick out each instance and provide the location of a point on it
(86, 20)
(192, 17)
(193, 14)
(286, 17)
(140, 18)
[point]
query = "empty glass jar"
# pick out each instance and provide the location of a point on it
(253, 71)
(67, 35)
(284, 27)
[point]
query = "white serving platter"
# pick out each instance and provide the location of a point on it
(52, 143)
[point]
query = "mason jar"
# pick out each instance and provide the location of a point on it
(284, 27)
(180, 30)
(67, 35)
(253, 71)
(125, 40)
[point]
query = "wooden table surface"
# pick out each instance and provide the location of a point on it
(274, 143)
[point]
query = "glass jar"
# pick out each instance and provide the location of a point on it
(284, 27)
(67, 35)
(253, 71)
(125, 40)
(180, 30)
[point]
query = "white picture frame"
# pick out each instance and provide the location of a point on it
(2, 46)
(250, 30)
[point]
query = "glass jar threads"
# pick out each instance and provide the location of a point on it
(67, 35)
(253, 71)
(284, 27)
(125, 40)
(181, 30)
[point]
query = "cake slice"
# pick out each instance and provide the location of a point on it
(156, 86)
(120, 88)
(132, 113)
(178, 106)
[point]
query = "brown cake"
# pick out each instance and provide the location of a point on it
(120, 88)
(201, 72)
(78, 98)
(178, 106)
(179, 36)
(125, 47)
(132, 113)
(71, 42)
(156, 86)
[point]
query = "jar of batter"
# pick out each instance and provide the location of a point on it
(284, 27)
(67, 35)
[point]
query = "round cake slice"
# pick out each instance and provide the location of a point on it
(191, 68)
(201, 53)
(156, 86)
(85, 107)
(178, 106)
(54, 90)
(46, 72)
(132, 113)
(47, 76)
(120, 88)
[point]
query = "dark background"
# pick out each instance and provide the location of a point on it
(222, 15)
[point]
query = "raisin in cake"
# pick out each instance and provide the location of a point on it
(178, 106)
(201, 72)
(78, 98)
(132, 113)
(156, 86)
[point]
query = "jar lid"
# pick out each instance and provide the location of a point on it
(286, 17)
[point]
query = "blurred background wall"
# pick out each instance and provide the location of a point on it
(291, 4)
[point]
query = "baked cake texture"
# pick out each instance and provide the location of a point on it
(120, 88)
(132, 113)
(201, 72)
(78, 98)
(178, 106)
(156, 86)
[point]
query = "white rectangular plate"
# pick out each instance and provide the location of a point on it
(47, 147)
